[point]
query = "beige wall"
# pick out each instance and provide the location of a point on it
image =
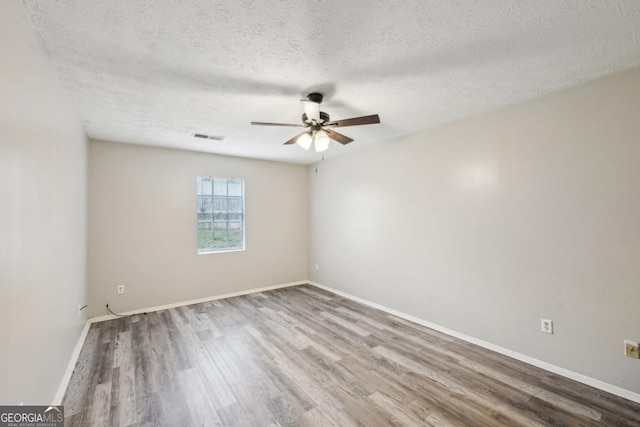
(486, 225)
(142, 230)
(42, 218)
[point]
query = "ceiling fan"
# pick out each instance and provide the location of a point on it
(317, 121)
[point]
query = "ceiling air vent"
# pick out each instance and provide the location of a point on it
(205, 136)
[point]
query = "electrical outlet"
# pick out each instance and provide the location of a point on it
(120, 289)
(631, 349)
(546, 326)
(317, 267)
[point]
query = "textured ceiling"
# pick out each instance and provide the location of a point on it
(154, 72)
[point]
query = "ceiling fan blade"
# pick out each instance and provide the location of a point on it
(295, 138)
(277, 124)
(342, 139)
(364, 120)
(311, 109)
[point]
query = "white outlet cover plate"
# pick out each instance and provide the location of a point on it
(546, 326)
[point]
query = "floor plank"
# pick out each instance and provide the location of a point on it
(304, 356)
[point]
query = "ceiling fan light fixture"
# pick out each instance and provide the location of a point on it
(305, 141)
(321, 141)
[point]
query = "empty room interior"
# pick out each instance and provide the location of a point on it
(292, 213)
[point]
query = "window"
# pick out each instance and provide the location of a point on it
(220, 214)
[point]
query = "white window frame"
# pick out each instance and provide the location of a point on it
(199, 221)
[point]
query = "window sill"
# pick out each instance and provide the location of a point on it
(221, 251)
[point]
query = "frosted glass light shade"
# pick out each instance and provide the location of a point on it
(304, 141)
(321, 140)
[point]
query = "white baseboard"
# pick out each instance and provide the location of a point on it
(601, 385)
(57, 400)
(195, 301)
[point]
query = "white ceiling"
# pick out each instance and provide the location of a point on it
(154, 72)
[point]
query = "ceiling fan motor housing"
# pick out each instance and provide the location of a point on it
(324, 118)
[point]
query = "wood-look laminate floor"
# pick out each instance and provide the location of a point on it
(303, 356)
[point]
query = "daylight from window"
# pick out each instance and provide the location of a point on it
(220, 214)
